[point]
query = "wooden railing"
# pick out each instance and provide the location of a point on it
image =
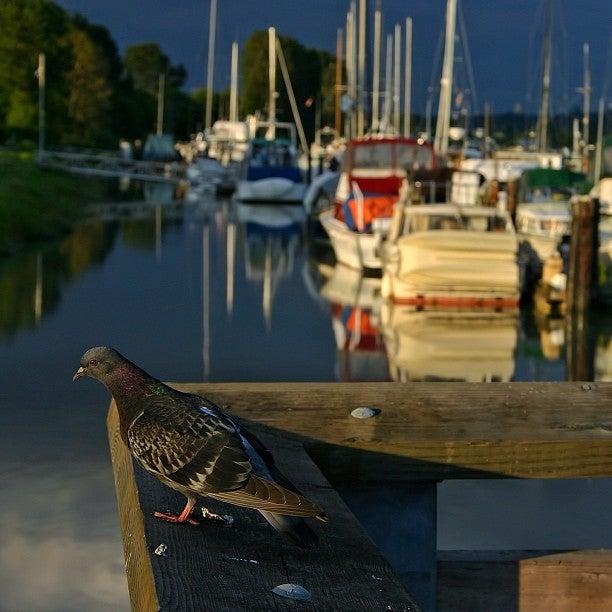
(421, 433)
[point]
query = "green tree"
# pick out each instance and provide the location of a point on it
(90, 94)
(305, 67)
(143, 64)
(28, 27)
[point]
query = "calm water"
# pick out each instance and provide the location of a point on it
(205, 292)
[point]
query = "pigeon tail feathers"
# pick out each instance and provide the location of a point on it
(292, 528)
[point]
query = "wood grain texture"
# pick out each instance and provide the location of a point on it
(235, 568)
(566, 582)
(137, 565)
(434, 430)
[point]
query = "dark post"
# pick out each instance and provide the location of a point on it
(582, 286)
(582, 272)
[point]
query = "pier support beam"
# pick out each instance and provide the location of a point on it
(401, 519)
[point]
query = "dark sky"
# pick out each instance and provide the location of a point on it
(504, 37)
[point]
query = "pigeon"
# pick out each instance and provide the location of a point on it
(190, 445)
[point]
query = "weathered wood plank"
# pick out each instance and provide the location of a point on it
(236, 568)
(435, 431)
(506, 581)
(565, 582)
(137, 564)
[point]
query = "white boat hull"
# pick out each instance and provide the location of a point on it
(353, 249)
(452, 268)
(270, 190)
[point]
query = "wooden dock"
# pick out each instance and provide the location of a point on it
(423, 433)
(105, 165)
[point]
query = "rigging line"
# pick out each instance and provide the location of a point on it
(607, 68)
(534, 69)
(468, 56)
(436, 68)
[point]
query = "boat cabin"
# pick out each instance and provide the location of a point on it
(431, 217)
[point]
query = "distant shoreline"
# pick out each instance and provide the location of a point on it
(37, 204)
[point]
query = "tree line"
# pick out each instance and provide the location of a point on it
(95, 95)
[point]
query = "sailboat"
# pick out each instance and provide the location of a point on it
(270, 172)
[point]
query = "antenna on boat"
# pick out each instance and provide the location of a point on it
(543, 131)
(376, 72)
(271, 135)
(446, 82)
(233, 112)
(408, 78)
(212, 29)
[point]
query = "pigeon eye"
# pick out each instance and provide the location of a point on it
(93, 362)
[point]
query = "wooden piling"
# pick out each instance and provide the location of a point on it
(582, 272)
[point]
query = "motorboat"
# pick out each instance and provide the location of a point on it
(449, 256)
(373, 171)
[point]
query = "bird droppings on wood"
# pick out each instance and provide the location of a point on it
(160, 551)
(245, 560)
(365, 412)
(226, 520)
(292, 591)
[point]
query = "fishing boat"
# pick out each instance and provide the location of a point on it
(449, 256)
(372, 173)
(440, 345)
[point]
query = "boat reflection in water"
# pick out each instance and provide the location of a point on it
(355, 308)
(272, 236)
(430, 345)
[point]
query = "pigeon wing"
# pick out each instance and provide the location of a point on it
(196, 450)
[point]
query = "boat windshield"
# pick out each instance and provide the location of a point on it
(413, 157)
(379, 156)
(424, 222)
(272, 153)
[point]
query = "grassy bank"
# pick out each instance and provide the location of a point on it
(38, 204)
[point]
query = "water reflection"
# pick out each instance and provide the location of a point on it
(206, 289)
(31, 283)
(451, 346)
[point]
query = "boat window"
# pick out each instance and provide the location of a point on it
(373, 156)
(424, 223)
(485, 223)
(413, 157)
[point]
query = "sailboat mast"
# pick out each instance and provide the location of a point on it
(272, 83)
(233, 113)
(586, 100)
(408, 78)
(599, 145)
(446, 82)
(543, 136)
(212, 29)
(387, 107)
(161, 90)
(337, 113)
(397, 65)
(362, 72)
(376, 70)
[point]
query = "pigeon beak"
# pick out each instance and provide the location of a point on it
(79, 373)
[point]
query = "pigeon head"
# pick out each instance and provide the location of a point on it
(99, 362)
